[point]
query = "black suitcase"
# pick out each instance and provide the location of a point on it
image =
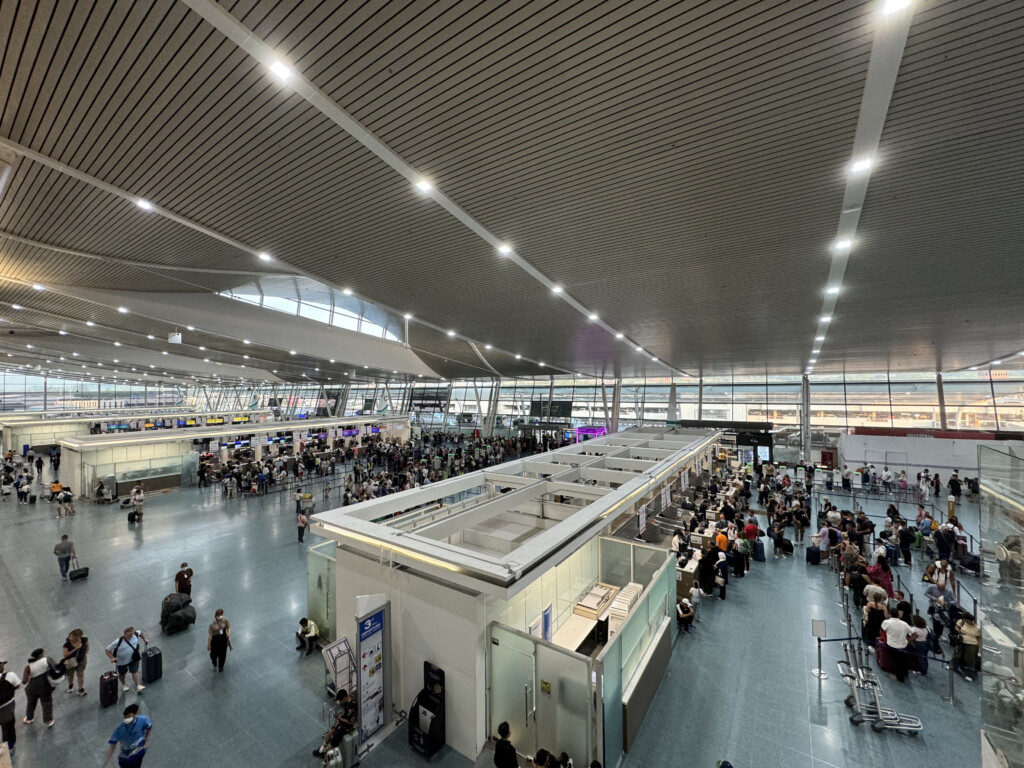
(892, 554)
(813, 556)
(787, 547)
(32, 499)
(132, 517)
(152, 665)
(77, 573)
(180, 620)
(758, 550)
(108, 689)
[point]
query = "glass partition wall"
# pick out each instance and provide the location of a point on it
(1002, 598)
(546, 692)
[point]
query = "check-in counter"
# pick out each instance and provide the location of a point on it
(685, 576)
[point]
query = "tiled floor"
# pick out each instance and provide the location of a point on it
(739, 688)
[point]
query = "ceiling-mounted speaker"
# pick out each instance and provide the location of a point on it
(174, 338)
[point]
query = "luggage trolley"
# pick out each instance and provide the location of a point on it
(865, 697)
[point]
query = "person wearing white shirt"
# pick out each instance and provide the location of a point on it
(9, 683)
(886, 479)
(897, 634)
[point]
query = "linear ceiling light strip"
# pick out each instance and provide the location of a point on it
(235, 31)
(892, 25)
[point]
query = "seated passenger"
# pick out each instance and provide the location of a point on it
(344, 723)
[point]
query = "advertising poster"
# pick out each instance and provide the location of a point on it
(371, 675)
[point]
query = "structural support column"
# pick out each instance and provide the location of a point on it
(604, 399)
(492, 409)
(942, 400)
(673, 410)
(616, 404)
(700, 399)
(805, 419)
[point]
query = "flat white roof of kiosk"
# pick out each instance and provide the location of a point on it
(126, 415)
(513, 523)
(95, 442)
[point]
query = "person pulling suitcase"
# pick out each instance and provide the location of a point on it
(126, 654)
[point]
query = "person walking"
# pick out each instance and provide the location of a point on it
(218, 639)
(183, 580)
(64, 550)
(303, 522)
(38, 689)
(126, 653)
(9, 684)
(298, 501)
(76, 656)
(132, 734)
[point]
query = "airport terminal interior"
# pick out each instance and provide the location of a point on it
(604, 384)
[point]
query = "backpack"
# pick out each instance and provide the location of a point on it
(6, 690)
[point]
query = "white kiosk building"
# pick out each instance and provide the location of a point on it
(506, 580)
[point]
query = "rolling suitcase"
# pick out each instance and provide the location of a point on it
(108, 689)
(132, 517)
(350, 749)
(892, 553)
(32, 499)
(813, 556)
(152, 665)
(77, 573)
(787, 547)
(758, 550)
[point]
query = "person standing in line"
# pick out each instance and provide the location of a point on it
(183, 580)
(126, 654)
(9, 684)
(38, 688)
(76, 656)
(133, 736)
(721, 574)
(303, 522)
(64, 550)
(897, 635)
(218, 639)
(965, 653)
(298, 501)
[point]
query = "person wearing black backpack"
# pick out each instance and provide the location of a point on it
(126, 653)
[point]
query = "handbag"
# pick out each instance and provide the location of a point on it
(720, 581)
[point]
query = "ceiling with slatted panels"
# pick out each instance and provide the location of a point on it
(678, 168)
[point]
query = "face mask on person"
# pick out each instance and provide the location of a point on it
(129, 720)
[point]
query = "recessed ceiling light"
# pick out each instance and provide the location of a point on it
(63, 333)
(150, 336)
(39, 287)
(826, 318)
(292, 352)
(366, 366)
(117, 343)
(841, 246)
(592, 316)
(419, 375)
(90, 323)
(619, 335)
(74, 354)
(123, 310)
(202, 349)
(860, 165)
(424, 186)
(28, 346)
(274, 371)
(15, 306)
(654, 359)
(541, 364)
(487, 346)
(639, 349)
(264, 256)
(451, 333)
(815, 351)
(556, 289)
(894, 6)
(190, 327)
(974, 368)
(332, 360)
(144, 204)
(347, 291)
(116, 360)
(813, 360)
(997, 362)
(281, 71)
(246, 357)
(408, 316)
(819, 338)
(164, 352)
(518, 357)
(62, 359)
(833, 290)
(504, 249)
